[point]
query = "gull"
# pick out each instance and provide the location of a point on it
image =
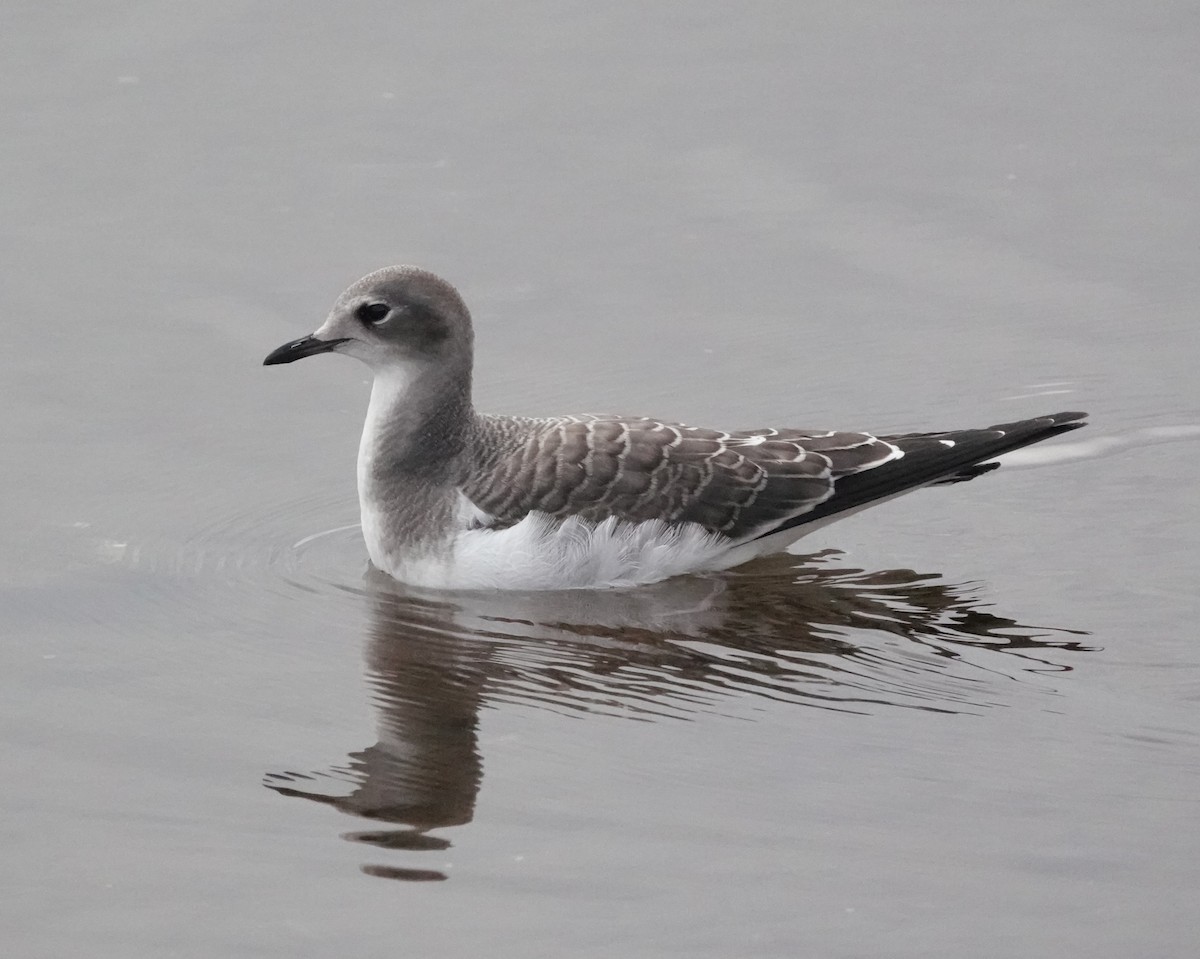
(455, 499)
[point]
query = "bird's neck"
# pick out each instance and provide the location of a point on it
(411, 457)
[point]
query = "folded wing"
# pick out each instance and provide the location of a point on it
(742, 485)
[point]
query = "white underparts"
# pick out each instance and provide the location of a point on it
(544, 552)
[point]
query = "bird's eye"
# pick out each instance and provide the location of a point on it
(373, 313)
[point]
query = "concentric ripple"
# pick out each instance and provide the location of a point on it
(793, 631)
(219, 571)
(801, 629)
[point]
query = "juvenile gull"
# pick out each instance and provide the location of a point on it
(456, 499)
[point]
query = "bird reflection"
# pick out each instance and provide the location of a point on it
(789, 628)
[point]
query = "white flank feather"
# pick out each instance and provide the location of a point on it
(543, 552)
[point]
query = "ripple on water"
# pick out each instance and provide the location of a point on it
(797, 631)
(807, 630)
(220, 571)
(803, 629)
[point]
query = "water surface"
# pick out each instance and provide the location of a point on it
(963, 724)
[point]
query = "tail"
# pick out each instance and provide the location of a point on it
(935, 458)
(1015, 435)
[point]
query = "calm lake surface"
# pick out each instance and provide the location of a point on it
(966, 724)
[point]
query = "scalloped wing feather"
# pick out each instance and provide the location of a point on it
(737, 484)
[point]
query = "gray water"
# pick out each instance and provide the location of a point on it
(961, 725)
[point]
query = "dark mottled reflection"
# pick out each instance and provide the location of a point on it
(798, 629)
(424, 772)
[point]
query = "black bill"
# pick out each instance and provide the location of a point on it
(298, 349)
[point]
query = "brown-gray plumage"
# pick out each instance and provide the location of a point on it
(742, 484)
(438, 481)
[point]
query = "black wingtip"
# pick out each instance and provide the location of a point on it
(966, 473)
(1034, 430)
(1073, 420)
(935, 459)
